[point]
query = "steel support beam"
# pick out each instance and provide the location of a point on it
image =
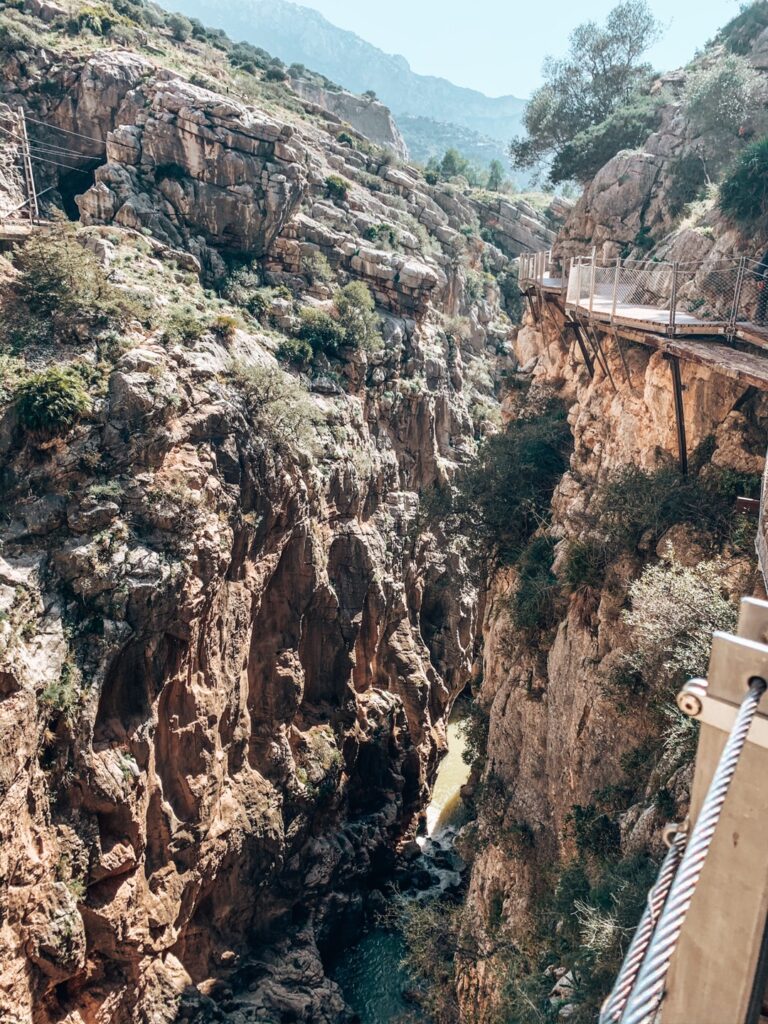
(677, 390)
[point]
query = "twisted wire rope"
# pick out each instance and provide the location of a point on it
(649, 988)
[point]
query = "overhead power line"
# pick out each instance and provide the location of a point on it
(66, 131)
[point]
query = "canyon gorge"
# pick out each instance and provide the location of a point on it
(291, 474)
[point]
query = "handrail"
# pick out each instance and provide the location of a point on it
(673, 296)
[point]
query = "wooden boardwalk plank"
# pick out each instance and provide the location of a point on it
(746, 367)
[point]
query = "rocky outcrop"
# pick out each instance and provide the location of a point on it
(244, 706)
(366, 115)
(197, 170)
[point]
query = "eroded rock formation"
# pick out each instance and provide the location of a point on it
(228, 653)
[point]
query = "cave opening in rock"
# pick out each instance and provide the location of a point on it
(74, 183)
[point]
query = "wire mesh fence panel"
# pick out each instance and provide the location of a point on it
(707, 292)
(572, 295)
(644, 291)
(752, 306)
(603, 281)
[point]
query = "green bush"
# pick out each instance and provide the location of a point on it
(295, 350)
(275, 74)
(585, 564)
(474, 728)
(537, 598)
(241, 285)
(635, 502)
(52, 401)
(60, 289)
(740, 33)
(183, 326)
(509, 287)
(719, 98)
(316, 267)
(744, 192)
(321, 331)
(626, 128)
(99, 19)
(502, 499)
(688, 181)
(63, 697)
(224, 326)
(355, 308)
(181, 27)
(431, 933)
(594, 832)
(336, 188)
(279, 407)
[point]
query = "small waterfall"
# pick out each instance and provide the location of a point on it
(369, 972)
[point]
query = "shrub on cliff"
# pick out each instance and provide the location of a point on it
(503, 498)
(740, 33)
(61, 290)
(355, 308)
(336, 188)
(316, 268)
(321, 331)
(277, 404)
(636, 505)
(720, 100)
(627, 127)
(431, 932)
(675, 610)
(97, 18)
(295, 350)
(181, 27)
(183, 326)
(51, 401)
(352, 322)
(744, 192)
(535, 604)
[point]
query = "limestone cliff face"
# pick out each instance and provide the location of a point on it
(558, 732)
(227, 651)
(366, 115)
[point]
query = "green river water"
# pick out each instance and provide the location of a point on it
(369, 972)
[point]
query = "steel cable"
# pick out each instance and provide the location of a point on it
(617, 1000)
(649, 988)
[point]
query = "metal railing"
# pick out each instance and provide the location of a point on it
(682, 297)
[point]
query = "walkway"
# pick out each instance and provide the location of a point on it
(702, 298)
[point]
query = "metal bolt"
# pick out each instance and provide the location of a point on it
(689, 700)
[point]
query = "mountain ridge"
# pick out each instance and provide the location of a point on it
(298, 34)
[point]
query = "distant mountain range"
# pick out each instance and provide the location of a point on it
(427, 107)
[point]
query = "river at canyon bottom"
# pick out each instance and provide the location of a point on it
(370, 973)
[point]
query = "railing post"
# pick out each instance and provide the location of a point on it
(737, 297)
(615, 289)
(673, 303)
(567, 264)
(592, 280)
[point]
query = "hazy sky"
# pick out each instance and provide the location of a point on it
(497, 46)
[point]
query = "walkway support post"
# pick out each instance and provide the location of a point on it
(737, 297)
(592, 280)
(677, 389)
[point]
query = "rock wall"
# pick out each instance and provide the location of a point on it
(367, 116)
(558, 733)
(227, 654)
